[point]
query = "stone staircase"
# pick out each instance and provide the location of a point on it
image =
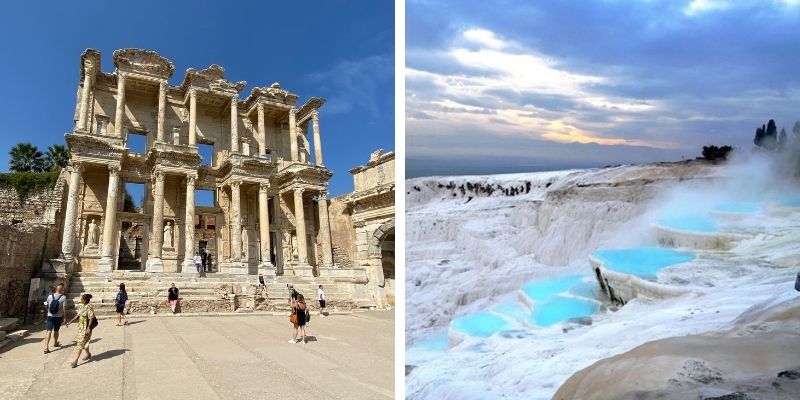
(217, 292)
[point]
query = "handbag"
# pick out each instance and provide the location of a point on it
(293, 318)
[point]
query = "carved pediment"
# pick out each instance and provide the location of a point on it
(146, 62)
(92, 146)
(274, 93)
(309, 107)
(212, 78)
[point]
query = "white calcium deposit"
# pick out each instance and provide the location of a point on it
(468, 250)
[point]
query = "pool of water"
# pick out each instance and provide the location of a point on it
(545, 289)
(561, 308)
(694, 223)
(512, 310)
(644, 262)
(791, 203)
(745, 208)
(480, 324)
(438, 342)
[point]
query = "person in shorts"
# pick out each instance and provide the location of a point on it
(172, 297)
(55, 319)
(121, 300)
(321, 299)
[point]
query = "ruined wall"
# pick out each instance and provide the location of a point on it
(29, 233)
(343, 235)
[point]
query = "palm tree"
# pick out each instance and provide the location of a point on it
(57, 157)
(25, 157)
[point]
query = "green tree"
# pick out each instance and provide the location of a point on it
(57, 157)
(25, 157)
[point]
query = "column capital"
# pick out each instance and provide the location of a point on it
(323, 195)
(292, 111)
(315, 116)
(263, 187)
(191, 178)
(260, 107)
(192, 92)
(234, 99)
(114, 169)
(121, 76)
(299, 191)
(76, 166)
(162, 85)
(158, 175)
(235, 183)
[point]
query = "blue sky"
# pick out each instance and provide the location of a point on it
(518, 85)
(339, 50)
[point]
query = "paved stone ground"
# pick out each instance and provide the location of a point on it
(348, 356)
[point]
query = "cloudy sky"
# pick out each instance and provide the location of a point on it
(519, 85)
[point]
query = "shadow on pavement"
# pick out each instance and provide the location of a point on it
(108, 354)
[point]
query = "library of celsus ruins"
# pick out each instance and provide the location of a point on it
(256, 159)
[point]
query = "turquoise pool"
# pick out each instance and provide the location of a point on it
(512, 310)
(480, 324)
(544, 290)
(693, 223)
(745, 208)
(438, 342)
(561, 308)
(644, 262)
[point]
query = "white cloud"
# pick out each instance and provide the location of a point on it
(485, 38)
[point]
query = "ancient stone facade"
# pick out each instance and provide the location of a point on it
(269, 213)
(363, 227)
(29, 235)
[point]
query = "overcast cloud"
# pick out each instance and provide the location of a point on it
(594, 82)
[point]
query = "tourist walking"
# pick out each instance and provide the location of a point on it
(298, 319)
(209, 262)
(292, 293)
(197, 261)
(56, 311)
(321, 299)
(121, 300)
(262, 285)
(86, 323)
(172, 297)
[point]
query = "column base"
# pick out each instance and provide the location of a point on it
(59, 268)
(268, 270)
(326, 270)
(188, 268)
(303, 270)
(233, 267)
(154, 264)
(106, 264)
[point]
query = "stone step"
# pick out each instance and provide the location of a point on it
(17, 335)
(8, 324)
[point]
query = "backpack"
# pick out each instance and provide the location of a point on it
(121, 298)
(54, 305)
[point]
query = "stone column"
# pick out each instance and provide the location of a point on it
(262, 135)
(263, 221)
(234, 125)
(317, 141)
(302, 267)
(70, 217)
(325, 231)
(106, 263)
(188, 222)
(86, 93)
(192, 117)
(154, 263)
(162, 108)
(236, 222)
(120, 105)
(293, 133)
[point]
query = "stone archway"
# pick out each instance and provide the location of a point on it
(381, 254)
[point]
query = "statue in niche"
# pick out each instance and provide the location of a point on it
(287, 247)
(294, 247)
(168, 234)
(245, 241)
(92, 234)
